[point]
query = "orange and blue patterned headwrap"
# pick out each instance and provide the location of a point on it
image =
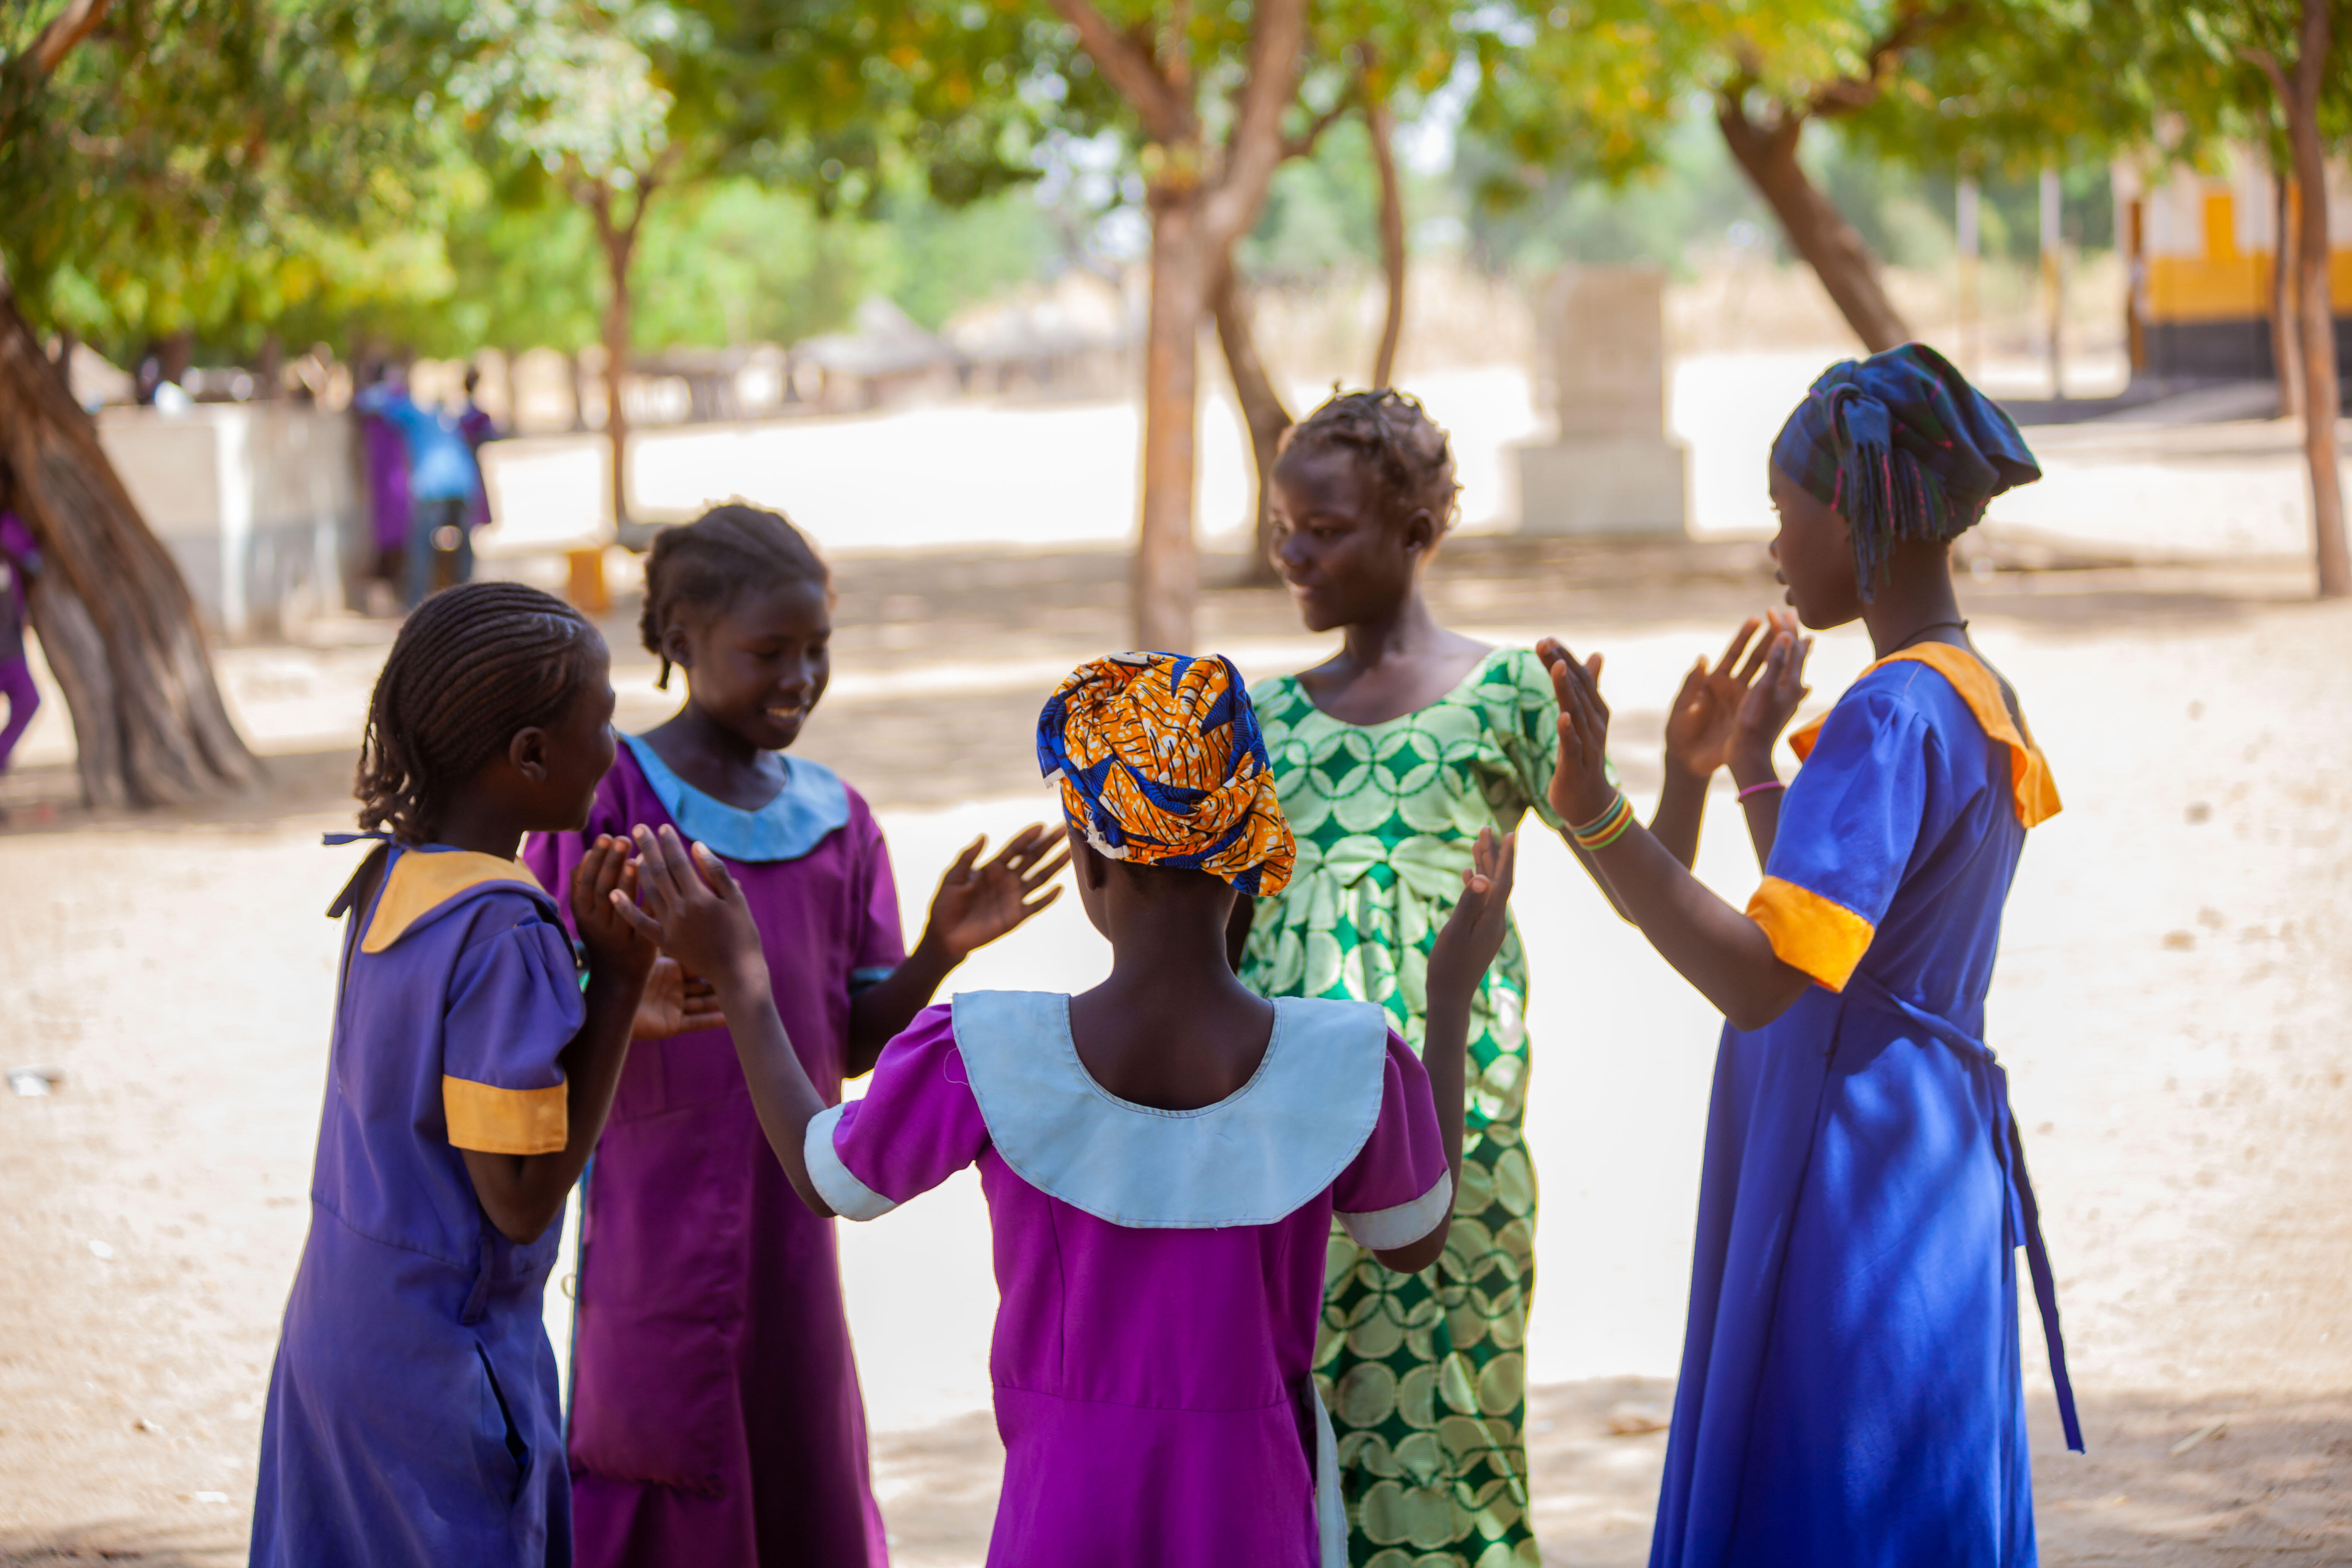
(1162, 762)
(1901, 446)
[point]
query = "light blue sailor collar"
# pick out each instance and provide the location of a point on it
(812, 804)
(1253, 1158)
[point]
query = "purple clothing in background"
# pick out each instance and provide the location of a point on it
(387, 471)
(478, 430)
(716, 1415)
(24, 698)
(1148, 1381)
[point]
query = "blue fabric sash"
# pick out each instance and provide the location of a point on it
(2024, 1213)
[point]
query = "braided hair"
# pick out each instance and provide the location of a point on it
(472, 665)
(699, 568)
(1390, 431)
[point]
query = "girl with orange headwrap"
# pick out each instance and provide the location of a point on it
(1162, 1155)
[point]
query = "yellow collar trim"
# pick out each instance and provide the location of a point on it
(422, 882)
(2034, 792)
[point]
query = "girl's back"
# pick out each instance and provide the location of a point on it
(1160, 1271)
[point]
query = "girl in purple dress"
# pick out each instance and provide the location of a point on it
(716, 1415)
(1162, 1155)
(412, 1418)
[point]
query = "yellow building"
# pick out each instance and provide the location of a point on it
(2199, 248)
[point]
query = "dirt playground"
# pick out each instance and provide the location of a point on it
(2174, 986)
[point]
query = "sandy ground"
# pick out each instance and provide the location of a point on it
(2170, 1003)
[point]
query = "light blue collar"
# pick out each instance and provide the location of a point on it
(812, 804)
(1251, 1158)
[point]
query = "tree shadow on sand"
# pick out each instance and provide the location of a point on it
(140, 1544)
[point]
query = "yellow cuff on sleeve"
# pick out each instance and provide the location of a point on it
(1807, 931)
(494, 1120)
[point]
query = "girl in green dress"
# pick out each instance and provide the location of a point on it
(1389, 758)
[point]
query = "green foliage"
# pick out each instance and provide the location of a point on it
(572, 84)
(1682, 204)
(402, 171)
(1597, 90)
(222, 165)
(1321, 214)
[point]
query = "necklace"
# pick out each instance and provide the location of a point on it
(1960, 626)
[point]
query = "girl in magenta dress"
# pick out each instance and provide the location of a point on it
(1162, 1155)
(716, 1415)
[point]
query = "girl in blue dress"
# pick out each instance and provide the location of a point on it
(1850, 1389)
(413, 1417)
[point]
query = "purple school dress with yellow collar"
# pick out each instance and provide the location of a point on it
(1161, 1271)
(413, 1415)
(716, 1415)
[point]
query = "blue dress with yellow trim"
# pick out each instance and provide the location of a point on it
(1850, 1389)
(413, 1415)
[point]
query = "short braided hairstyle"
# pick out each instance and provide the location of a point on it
(472, 665)
(1408, 452)
(698, 568)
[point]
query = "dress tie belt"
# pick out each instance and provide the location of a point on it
(2024, 1214)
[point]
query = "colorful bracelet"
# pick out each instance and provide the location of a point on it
(1759, 788)
(1607, 828)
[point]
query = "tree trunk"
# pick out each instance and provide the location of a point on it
(2321, 395)
(1766, 153)
(1167, 573)
(617, 249)
(113, 616)
(1195, 223)
(176, 353)
(1261, 413)
(269, 369)
(2286, 364)
(1381, 122)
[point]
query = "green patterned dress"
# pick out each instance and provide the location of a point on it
(1425, 1374)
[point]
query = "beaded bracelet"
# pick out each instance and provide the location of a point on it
(1759, 788)
(1607, 828)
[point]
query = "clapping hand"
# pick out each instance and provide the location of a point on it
(675, 1002)
(1705, 717)
(976, 904)
(1771, 700)
(605, 878)
(1581, 790)
(693, 911)
(1472, 935)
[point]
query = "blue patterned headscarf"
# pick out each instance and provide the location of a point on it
(1901, 446)
(1162, 762)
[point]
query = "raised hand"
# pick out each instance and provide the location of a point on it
(675, 1002)
(976, 904)
(1580, 789)
(604, 878)
(1772, 700)
(1703, 718)
(1472, 935)
(692, 910)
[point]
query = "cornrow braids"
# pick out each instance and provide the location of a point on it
(697, 569)
(1407, 451)
(472, 665)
